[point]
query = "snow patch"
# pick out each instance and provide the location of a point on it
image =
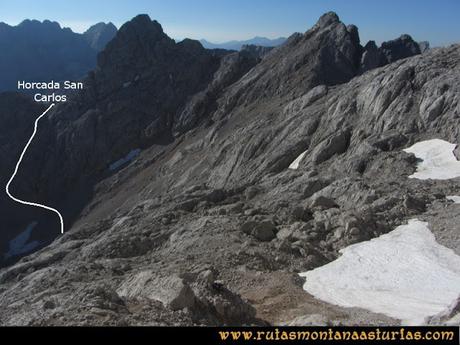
(454, 198)
(404, 274)
(19, 245)
(128, 158)
(438, 160)
(295, 164)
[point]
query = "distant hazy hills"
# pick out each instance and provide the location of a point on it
(236, 45)
(36, 51)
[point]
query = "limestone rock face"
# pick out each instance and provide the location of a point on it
(399, 48)
(99, 35)
(201, 222)
(372, 57)
(172, 291)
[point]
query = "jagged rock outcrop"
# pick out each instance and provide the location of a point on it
(389, 52)
(424, 46)
(326, 54)
(215, 207)
(372, 57)
(399, 48)
(256, 51)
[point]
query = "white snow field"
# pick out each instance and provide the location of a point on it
(438, 160)
(404, 274)
(454, 198)
(295, 164)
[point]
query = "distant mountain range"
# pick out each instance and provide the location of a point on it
(41, 51)
(36, 51)
(236, 45)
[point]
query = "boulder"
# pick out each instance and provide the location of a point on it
(285, 233)
(414, 204)
(312, 186)
(320, 201)
(247, 227)
(264, 231)
(337, 143)
(301, 213)
(172, 291)
(251, 192)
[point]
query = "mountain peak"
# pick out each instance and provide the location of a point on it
(328, 19)
(142, 25)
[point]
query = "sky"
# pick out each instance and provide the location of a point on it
(222, 20)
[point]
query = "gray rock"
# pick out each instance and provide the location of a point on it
(301, 213)
(320, 201)
(247, 227)
(372, 57)
(424, 46)
(335, 144)
(312, 186)
(251, 192)
(415, 204)
(172, 291)
(285, 233)
(400, 48)
(431, 108)
(308, 320)
(255, 51)
(264, 231)
(99, 35)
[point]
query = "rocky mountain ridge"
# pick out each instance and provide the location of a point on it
(211, 221)
(42, 51)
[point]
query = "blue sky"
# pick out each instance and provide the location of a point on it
(221, 20)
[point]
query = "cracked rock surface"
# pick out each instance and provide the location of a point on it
(209, 225)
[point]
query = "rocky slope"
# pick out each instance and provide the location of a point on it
(210, 221)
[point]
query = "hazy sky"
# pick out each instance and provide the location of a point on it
(220, 20)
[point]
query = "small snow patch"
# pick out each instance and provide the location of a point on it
(404, 274)
(19, 245)
(438, 160)
(454, 198)
(128, 158)
(295, 164)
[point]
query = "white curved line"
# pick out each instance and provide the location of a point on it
(16, 171)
